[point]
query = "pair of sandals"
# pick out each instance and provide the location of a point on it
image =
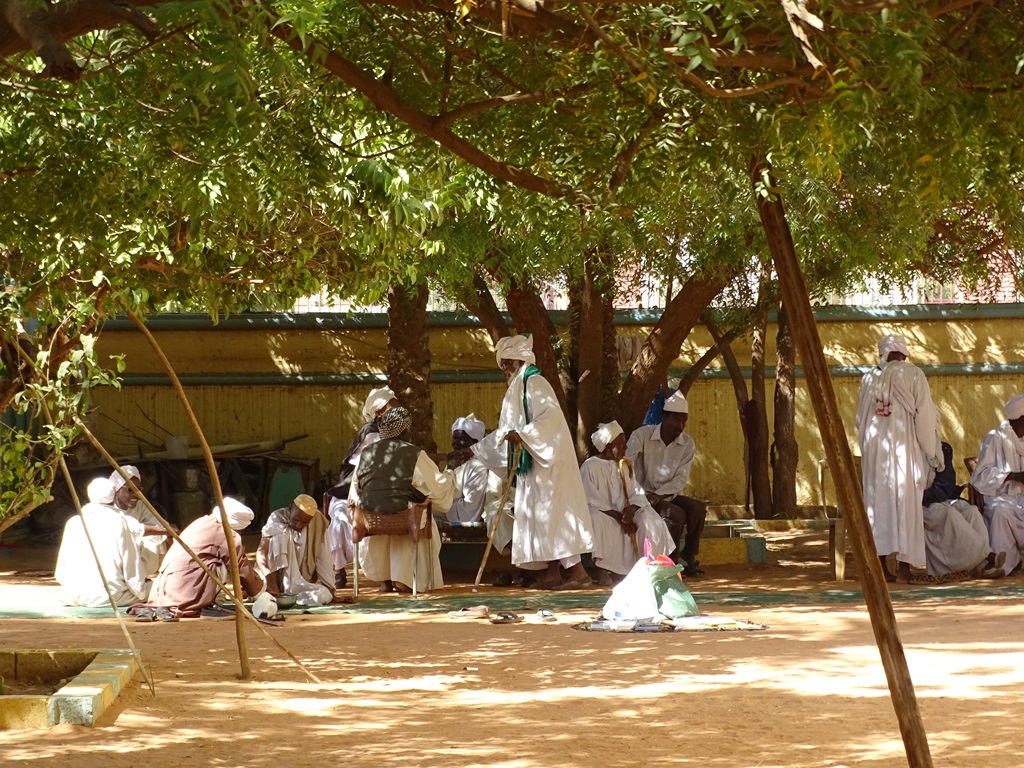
(152, 613)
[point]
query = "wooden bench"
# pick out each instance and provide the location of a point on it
(836, 526)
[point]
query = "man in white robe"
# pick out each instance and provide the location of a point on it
(662, 455)
(898, 433)
(391, 474)
(552, 525)
(125, 499)
(1000, 477)
(955, 534)
(118, 541)
(623, 518)
(294, 557)
(478, 491)
(339, 533)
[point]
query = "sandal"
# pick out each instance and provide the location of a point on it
(473, 612)
(506, 617)
(546, 615)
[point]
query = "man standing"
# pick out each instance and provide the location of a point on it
(293, 557)
(898, 432)
(392, 474)
(1000, 477)
(552, 523)
(118, 541)
(622, 516)
(662, 455)
(339, 533)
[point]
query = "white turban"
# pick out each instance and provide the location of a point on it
(515, 348)
(306, 503)
(376, 400)
(676, 404)
(119, 481)
(239, 515)
(892, 343)
(605, 434)
(101, 491)
(1014, 407)
(471, 425)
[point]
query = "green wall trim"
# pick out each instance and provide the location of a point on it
(376, 320)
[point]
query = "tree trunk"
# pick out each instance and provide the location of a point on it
(755, 424)
(571, 374)
(531, 316)
(591, 356)
(784, 449)
(482, 304)
(662, 347)
(610, 360)
(840, 459)
(409, 359)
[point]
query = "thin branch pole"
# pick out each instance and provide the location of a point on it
(211, 468)
(840, 459)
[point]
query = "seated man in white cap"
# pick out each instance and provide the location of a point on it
(294, 557)
(623, 517)
(182, 586)
(477, 489)
(1000, 477)
(661, 455)
(127, 502)
(391, 475)
(120, 550)
(552, 523)
(339, 533)
(955, 535)
(898, 433)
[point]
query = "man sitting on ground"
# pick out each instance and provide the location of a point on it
(1000, 477)
(477, 489)
(661, 456)
(182, 586)
(623, 517)
(392, 475)
(119, 543)
(955, 535)
(294, 557)
(157, 539)
(339, 533)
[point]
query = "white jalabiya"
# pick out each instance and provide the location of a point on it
(339, 532)
(1002, 452)
(551, 517)
(282, 550)
(384, 558)
(477, 496)
(898, 432)
(955, 537)
(154, 546)
(118, 540)
(613, 549)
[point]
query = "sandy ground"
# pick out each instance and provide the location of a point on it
(420, 689)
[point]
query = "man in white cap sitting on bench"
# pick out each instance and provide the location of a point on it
(294, 557)
(477, 489)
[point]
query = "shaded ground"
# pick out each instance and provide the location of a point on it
(415, 688)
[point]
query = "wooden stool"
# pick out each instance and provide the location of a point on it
(414, 522)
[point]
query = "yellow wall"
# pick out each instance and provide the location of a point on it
(970, 400)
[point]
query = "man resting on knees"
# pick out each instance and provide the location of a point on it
(621, 513)
(391, 475)
(294, 556)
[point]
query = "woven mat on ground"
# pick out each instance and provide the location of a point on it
(685, 624)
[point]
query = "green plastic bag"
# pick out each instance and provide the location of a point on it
(674, 599)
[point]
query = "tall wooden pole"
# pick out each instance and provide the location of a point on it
(840, 459)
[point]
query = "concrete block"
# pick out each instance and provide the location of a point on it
(19, 712)
(8, 665)
(51, 666)
(119, 672)
(722, 551)
(80, 704)
(757, 548)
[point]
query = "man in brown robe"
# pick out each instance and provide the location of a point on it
(185, 588)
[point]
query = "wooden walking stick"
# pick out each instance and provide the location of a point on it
(516, 453)
(625, 467)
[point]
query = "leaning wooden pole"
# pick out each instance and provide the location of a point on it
(236, 581)
(840, 459)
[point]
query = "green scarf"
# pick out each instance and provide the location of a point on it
(525, 460)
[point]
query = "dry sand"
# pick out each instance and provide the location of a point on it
(420, 689)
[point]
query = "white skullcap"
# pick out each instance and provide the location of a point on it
(515, 348)
(239, 515)
(101, 491)
(471, 425)
(119, 481)
(376, 400)
(306, 504)
(605, 434)
(1014, 407)
(892, 343)
(676, 404)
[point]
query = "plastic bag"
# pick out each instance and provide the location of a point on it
(673, 598)
(650, 590)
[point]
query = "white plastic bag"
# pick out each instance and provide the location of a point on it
(633, 598)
